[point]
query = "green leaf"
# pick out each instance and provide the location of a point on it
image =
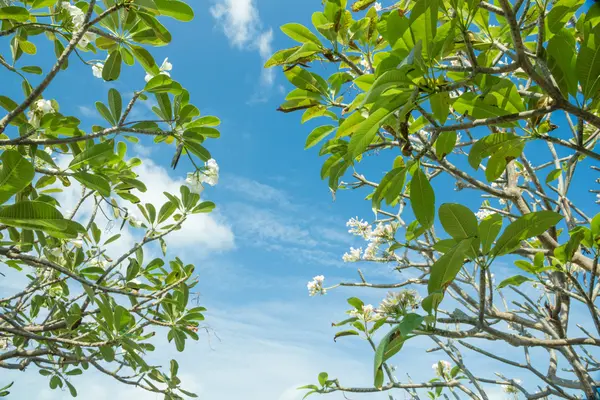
(445, 269)
(560, 13)
(112, 67)
(95, 154)
(588, 63)
(440, 106)
(115, 103)
(423, 24)
(105, 113)
(516, 280)
(36, 215)
(345, 333)
(323, 378)
(553, 175)
(389, 188)
(300, 33)
(492, 144)
(280, 57)
(175, 9)
(16, 174)
(94, 182)
(32, 69)
(14, 13)
(562, 61)
(43, 3)
(525, 227)
(445, 143)
(472, 104)
(422, 199)
(489, 228)
(458, 221)
(145, 59)
(367, 130)
(317, 135)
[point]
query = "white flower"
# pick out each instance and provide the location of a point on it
(353, 255)
(86, 39)
(77, 243)
(211, 172)
(367, 313)
(483, 214)
(135, 281)
(136, 223)
(194, 182)
(359, 227)
(399, 303)
(371, 251)
(316, 286)
(40, 108)
(377, 6)
(381, 233)
(442, 368)
(97, 70)
(56, 252)
(48, 150)
(163, 70)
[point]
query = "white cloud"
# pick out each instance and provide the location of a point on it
(256, 191)
(200, 235)
(87, 111)
(240, 22)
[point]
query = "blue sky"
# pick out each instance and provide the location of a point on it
(275, 228)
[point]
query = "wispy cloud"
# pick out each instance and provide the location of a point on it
(87, 111)
(240, 22)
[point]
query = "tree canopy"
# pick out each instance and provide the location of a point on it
(82, 306)
(500, 102)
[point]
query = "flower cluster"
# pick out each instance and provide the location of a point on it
(352, 256)
(39, 108)
(163, 70)
(442, 369)
(376, 237)
(78, 20)
(483, 214)
(209, 175)
(315, 286)
(367, 313)
(359, 227)
(4, 343)
(397, 304)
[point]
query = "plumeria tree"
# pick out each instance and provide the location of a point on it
(80, 305)
(495, 105)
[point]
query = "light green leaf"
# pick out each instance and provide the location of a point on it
(95, 154)
(16, 173)
(317, 135)
(14, 13)
(175, 9)
(516, 280)
(588, 63)
(94, 182)
(445, 143)
(300, 33)
(36, 215)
